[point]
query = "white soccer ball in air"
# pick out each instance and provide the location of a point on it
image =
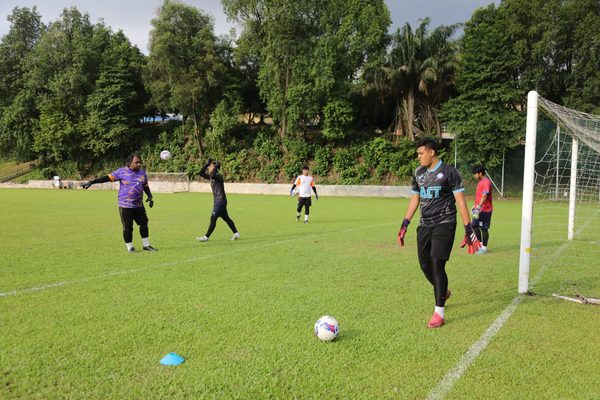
(165, 155)
(327, 328)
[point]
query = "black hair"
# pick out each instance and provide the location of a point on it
(131, 157)
(305, 167)
(478, 168)
(217, 164)
(429, 143)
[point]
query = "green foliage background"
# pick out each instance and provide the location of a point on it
(321, 83)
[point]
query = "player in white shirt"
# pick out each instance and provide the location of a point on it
(303, 185)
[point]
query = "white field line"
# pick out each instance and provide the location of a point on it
(445, 385)
(169, 264)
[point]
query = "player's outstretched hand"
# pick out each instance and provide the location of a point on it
(316, 196)
(402, 231)
(292, 192)
(470, 240)
(86, 185)
(150, 202)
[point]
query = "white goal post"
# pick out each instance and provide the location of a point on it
(569, 169)
(528, 182)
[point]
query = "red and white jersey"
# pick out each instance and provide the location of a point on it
(484, 186)
(304, 185)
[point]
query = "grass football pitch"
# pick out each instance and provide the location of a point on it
(81, 318)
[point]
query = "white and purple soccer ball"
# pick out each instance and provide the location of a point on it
(327, 328)
(165, 155)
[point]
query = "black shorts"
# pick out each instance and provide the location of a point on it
(220, 210)
(485, 219)
(435, 242)
(304, 201)
(128, 215)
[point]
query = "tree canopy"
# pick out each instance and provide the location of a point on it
(319, 82)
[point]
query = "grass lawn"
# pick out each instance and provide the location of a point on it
(81, 318)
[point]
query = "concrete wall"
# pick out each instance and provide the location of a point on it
(238, 188)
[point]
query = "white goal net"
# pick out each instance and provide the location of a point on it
(169, 182)
(560, 236)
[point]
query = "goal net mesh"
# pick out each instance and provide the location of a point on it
(175, 182)
(567, 248)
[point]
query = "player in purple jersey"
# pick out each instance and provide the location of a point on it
(437, 188)
(132, 185)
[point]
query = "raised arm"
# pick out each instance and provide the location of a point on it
(203, 169)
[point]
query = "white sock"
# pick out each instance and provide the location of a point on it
(298, 215)
(129, 245)
(439, 310)
(483, 247)
(306, 217)
(146, 241)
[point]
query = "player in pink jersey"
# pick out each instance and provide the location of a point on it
(483, 207)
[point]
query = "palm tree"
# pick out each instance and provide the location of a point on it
(444, 62)
(418, 75)
(409, 65)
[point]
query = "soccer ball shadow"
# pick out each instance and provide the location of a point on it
(347, 335)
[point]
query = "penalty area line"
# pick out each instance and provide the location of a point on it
(173, 263)
(445, 385)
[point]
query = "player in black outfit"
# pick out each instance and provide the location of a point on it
(437, 188)
(220, 200)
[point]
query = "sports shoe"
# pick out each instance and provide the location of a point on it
(481, 250)
(131, 249)
(202, 238)
(306, 222)
(150, 248)
(436, 321)
(298, 218)
(448, 294)
(235, 236)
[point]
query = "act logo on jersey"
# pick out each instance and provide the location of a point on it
(431, 192)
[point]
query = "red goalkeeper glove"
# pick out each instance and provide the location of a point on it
(470, 240)
(402, 231)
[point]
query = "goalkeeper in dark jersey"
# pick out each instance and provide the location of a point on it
(220, 200)
(437, 187)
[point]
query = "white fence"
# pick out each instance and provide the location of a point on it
(238, 188)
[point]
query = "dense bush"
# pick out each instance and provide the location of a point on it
(297, 155)
(323, 159)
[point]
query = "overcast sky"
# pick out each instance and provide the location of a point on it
(133, 16)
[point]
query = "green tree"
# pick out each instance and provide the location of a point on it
(440, 87)
(114, 107)
(487, 116)
(84, 84)
(17, 114)
(310, 52)
(583, 83)
(63, 69)
(418, 75)
(184, 71)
